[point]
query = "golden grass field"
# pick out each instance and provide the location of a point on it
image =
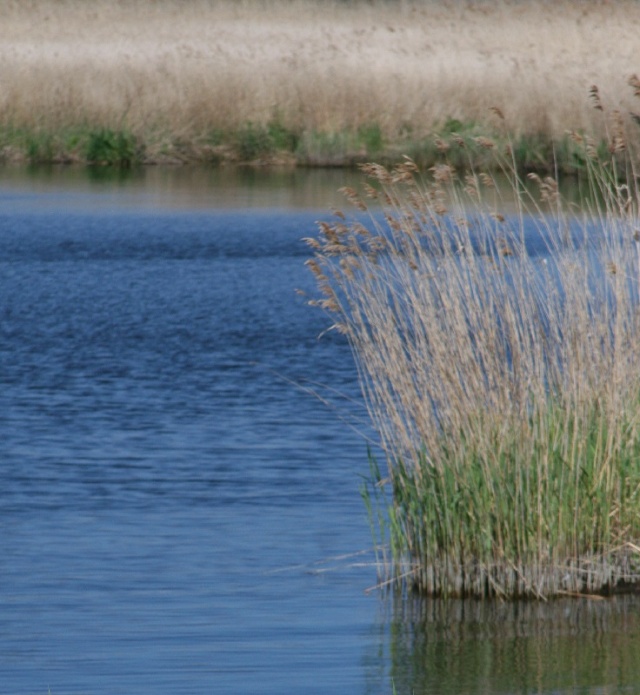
(173, 71)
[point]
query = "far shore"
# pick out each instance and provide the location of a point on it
(310, 83)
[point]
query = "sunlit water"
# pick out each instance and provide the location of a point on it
(179, 512)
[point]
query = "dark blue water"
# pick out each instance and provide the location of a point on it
(173, 504)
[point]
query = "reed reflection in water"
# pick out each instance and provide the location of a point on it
(471, 647)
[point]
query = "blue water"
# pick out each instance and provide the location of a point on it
(173, 502)
(179, 498)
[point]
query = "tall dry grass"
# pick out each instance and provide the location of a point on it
(183, 69)
(498, 355)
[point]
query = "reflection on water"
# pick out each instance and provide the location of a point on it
(470, 647)
(188, 188)
(193, 188)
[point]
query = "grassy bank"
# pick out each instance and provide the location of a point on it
(304, 82)
(497, 351)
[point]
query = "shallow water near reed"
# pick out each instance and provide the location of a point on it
(179, 514)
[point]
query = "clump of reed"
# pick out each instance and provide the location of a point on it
(496, 341)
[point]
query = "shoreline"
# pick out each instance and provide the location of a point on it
(256, 147)
(301, 83)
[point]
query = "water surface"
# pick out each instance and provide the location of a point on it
(179, 513)
(168, 488)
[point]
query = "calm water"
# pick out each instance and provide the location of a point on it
(179, 514)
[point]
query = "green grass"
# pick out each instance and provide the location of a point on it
(111, 147)
(509, 525)
(100, 146)
(275, 143)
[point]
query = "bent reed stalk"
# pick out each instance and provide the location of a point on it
(498, 354)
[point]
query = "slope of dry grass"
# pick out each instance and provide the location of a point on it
(177, 72)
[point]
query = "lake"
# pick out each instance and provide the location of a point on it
(182, 446)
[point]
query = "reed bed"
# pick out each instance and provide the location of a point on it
(315, 82)
(497, 351)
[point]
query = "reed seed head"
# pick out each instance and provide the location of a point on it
(441, 145)
(443, 173)
(594, 95)
(484, 143)
(634, 81)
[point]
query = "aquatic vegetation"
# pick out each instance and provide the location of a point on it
(497, 348)
(252, 141)
(106, 146)
(340, 148)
